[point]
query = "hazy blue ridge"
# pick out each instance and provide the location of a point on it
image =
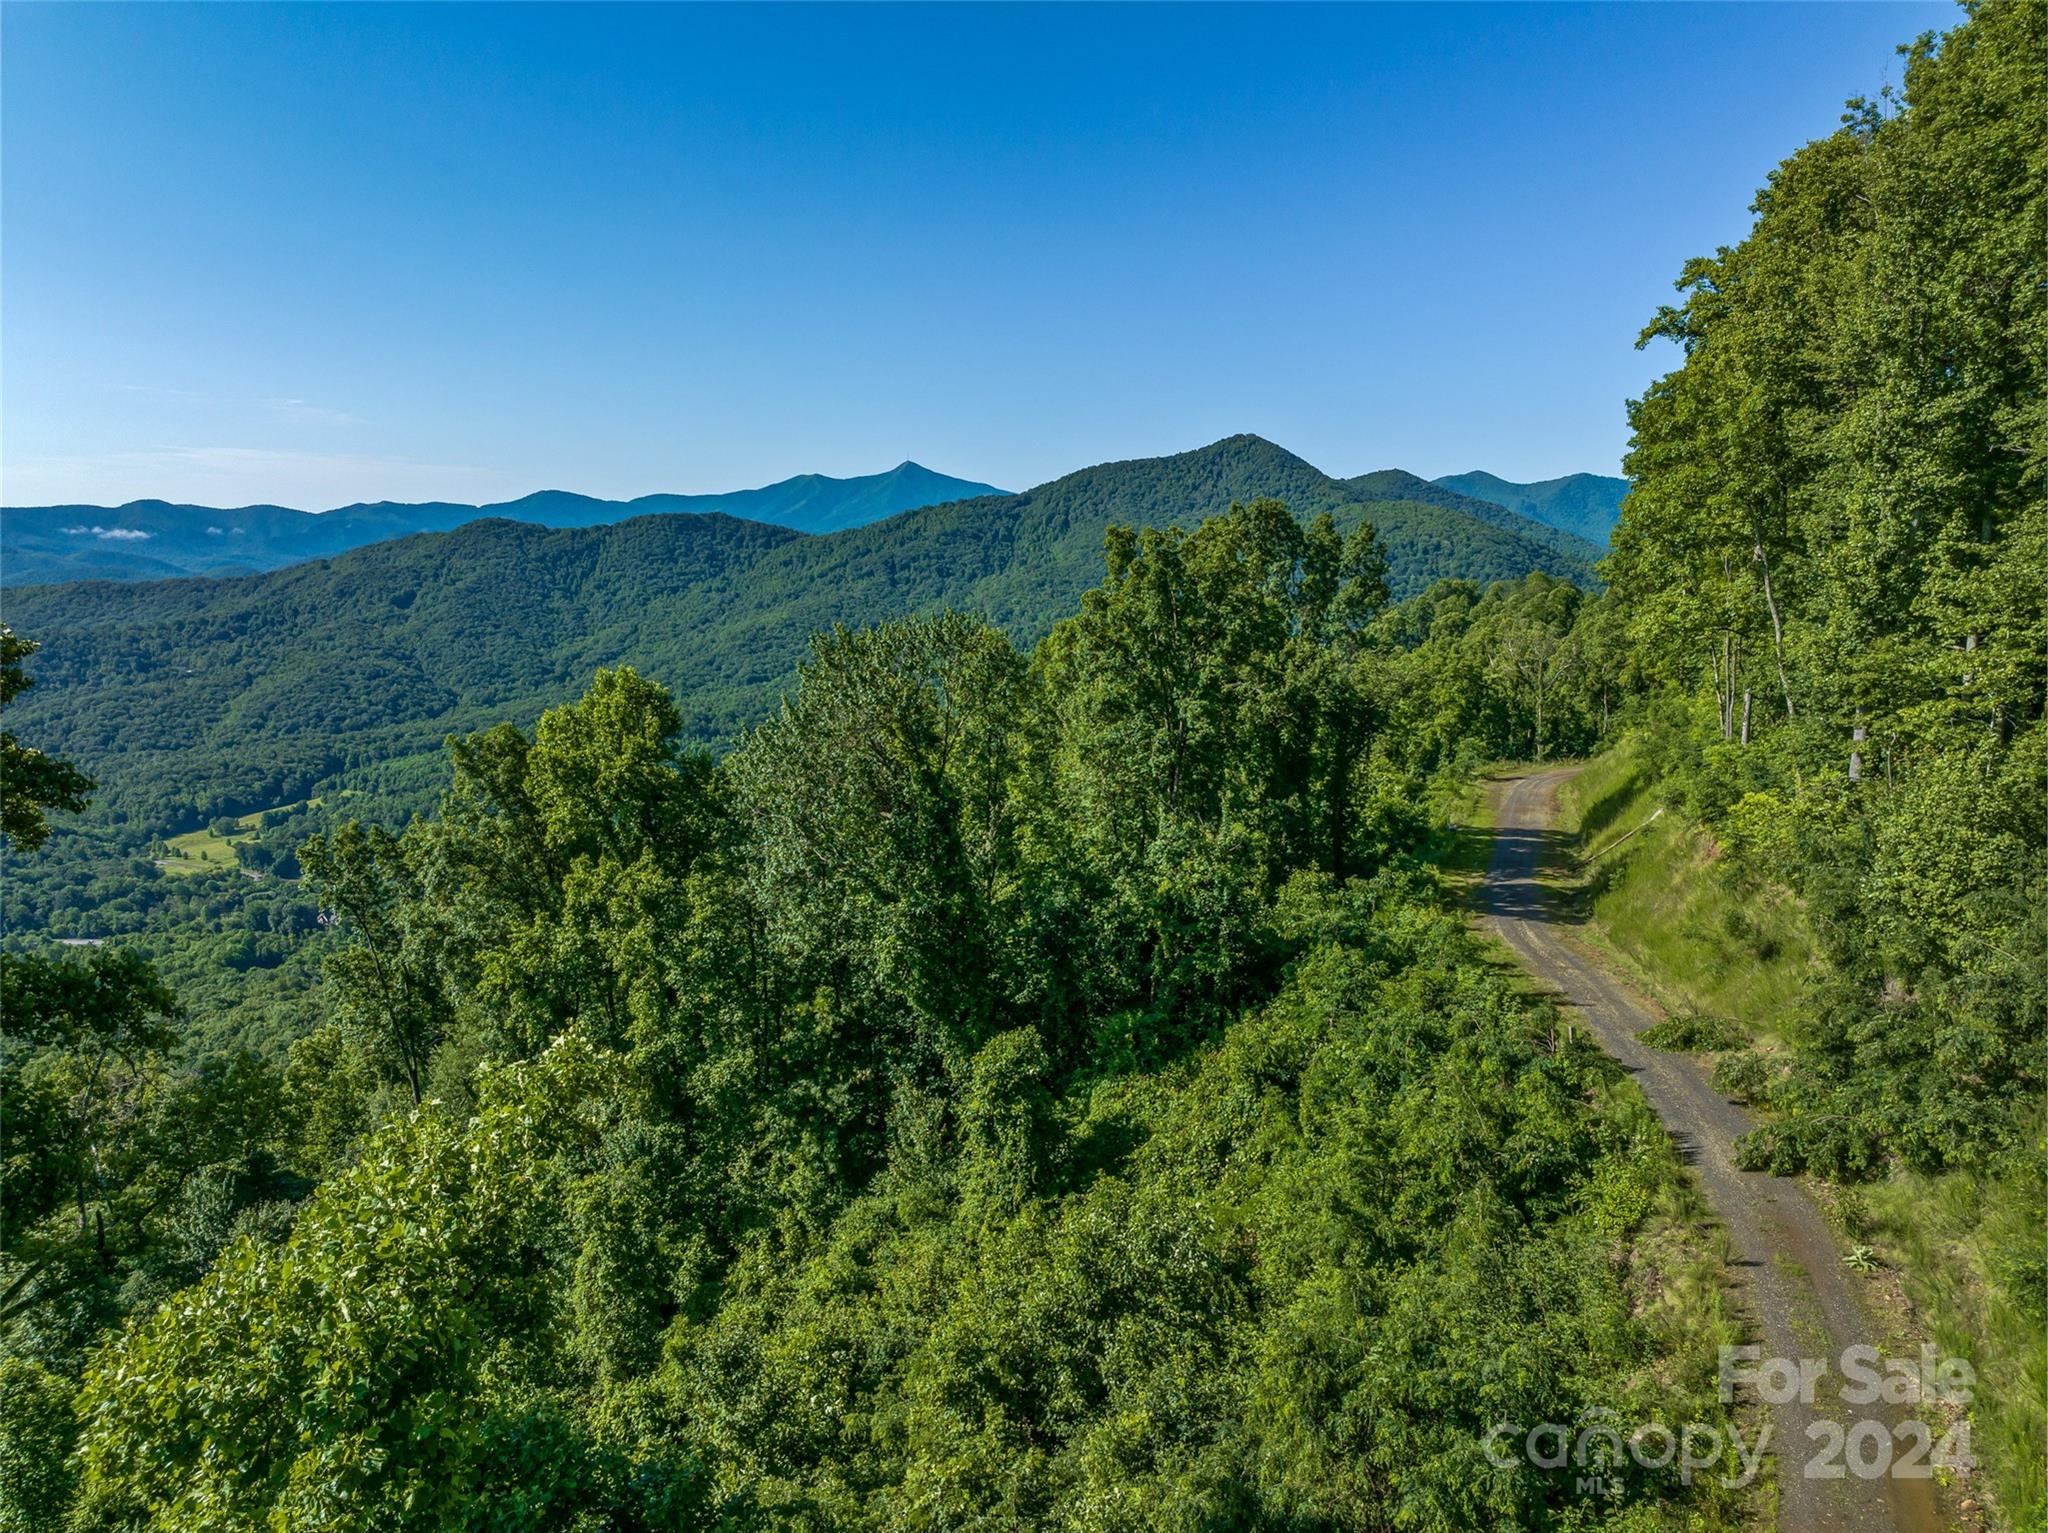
(196, 694)
(150, 539)
(1585, 505)
(1398, 485)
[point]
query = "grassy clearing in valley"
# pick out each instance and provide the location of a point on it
(202, 851)
(208, 851)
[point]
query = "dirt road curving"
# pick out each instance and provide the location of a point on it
(1788, 1262)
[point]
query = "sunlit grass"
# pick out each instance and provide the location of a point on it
(207, 851)
(1967, 1250)
(1659, 896)
(1461, 845)
(1966, 1247)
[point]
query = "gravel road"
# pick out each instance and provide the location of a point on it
(1787, 1261)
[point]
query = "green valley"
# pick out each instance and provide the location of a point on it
(195, 699)
(1199, 996)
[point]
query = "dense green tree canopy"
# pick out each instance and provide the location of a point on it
(1835, 547)
(30, 782)
(1048, 1087)
(1014, 1089)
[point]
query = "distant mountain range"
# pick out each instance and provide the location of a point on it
(150, 539)
(189, 698)
(154, 539)
(1585, 505)
(1393, 484)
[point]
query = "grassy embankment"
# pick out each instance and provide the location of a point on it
(1675, 1251)
(1659, 904)
(1960, 1245)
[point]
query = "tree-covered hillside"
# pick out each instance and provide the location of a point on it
(1832, 569)
(152, 539)
(966, 1023)
(1567, 552)
(1585, 505)
(195, 699)
(1013, 1090)
(1831, 581)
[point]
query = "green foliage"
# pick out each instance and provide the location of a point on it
(82, 1099)
(1694, 1033)
(1022, 1090)
(383, 983)
(1523, 669)
(1829, 569)
(1831, 564)
(198, 700)
(36, 1434)
(122, 1175)
(1324, 1262)
(394, 1362)
(1967, 1250)
(30, 782)
(1036, 1089)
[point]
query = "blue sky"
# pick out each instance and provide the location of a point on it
(313, 255)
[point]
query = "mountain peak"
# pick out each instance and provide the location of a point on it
(149, 539)
(1586, 505)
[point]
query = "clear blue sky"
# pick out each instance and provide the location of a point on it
(358, 252)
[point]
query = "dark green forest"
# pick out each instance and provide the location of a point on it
(956, 1102)
(324, 692)
(197, 698)
(1033, 1069)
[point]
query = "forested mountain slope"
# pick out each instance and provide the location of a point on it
(194, 698)
(1397, 488)
(1046, 1087)
(1585, 505)
(1011, 1090)
(150, 539)
(1831, 579)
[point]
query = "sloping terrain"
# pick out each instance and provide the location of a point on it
(1393, 486)
(192, 698)
(1584, 505)
(1786, 1258)
(150, 539)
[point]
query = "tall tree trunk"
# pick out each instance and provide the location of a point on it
(1745, 715)
(1857, 736)
(1777, 628)
(1727, 686)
